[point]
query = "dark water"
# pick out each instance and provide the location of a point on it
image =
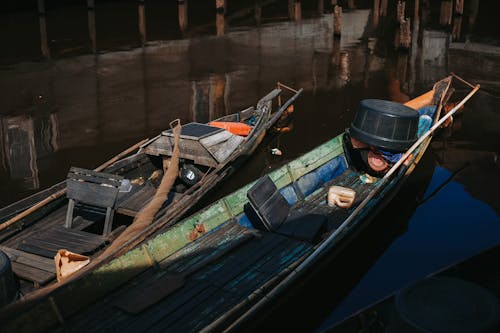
(78, 86)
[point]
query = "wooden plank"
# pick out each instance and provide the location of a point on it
(103, 177)
(37, 250)
(32, 274)
(29, 259)
(131, 204)
(189, 149)
(92, 194)
(52, 240)
(223, 150)
(216, 138)
(138, 299)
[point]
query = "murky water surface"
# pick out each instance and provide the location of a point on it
(79, 86)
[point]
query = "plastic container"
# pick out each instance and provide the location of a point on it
(8, 283)
(385, 124)
(339, 196)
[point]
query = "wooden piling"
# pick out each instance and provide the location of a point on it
(141, 21)
(416, 11)
(321, 7)
(383, 8)
(258, 12)
(182, 9)
(350, 4)
(337, 20)
(400, 11)
(459, 7)
(446, 12)
(297, 10)
(473, 11)
(42, 19)
(457, 27)
(91, 25)
(220, 21)
(403, 35)
(376, 12)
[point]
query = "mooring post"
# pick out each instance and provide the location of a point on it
(182, 10)
(297, 10)
(321, 7)
(376, 12)
(383, 8)
(350, 4)
(457, 27)
(400, 11)
(459, 7)
(337, 20)
(220, 24)
(415, 11)
(142, 21)
(91, 24)
(44, 44)
(258, 12)
(474, 10)
(446, 12)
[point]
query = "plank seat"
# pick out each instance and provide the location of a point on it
(48, 242)
(270, 211)
(92, 188)
(31, 267)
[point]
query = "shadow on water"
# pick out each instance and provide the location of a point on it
(78, 88)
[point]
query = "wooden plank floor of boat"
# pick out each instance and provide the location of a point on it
(219, 271)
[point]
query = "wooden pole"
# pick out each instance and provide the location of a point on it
(337, 20)
(44, 45)
(376, 12)
(321, 7)
(63, 191)
(446, 12)
(383, 8)
(142, 21)
(297, 10)
(91, 24)
(182, 10)
(415, 11)
(258, 12)
(400, 11)
(220, 23)
(459, 7)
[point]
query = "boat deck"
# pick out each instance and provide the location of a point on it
(210, 276)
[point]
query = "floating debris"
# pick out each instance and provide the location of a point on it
(276, 151)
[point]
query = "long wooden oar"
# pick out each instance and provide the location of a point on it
(61, 192)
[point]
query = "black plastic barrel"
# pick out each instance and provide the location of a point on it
(8, 284)
(445, 305)
(385, 124)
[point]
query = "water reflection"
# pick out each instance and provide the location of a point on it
(81, 109)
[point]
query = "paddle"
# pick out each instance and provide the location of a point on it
(61, 192)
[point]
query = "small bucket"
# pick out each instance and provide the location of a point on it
(339, 196)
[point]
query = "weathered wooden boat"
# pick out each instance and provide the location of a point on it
(461, 297)
(221, 267)
(89, 211)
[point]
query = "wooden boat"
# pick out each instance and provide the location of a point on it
(461, 297)
(221, 267)
(88, 211)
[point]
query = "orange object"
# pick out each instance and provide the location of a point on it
(233, 127)
(421, 101)
(68, 262)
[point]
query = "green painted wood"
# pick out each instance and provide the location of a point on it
(111, 276)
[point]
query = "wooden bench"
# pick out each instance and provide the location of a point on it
(31, 267)
(92, 188)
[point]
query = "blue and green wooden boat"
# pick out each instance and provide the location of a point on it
(217, 269)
